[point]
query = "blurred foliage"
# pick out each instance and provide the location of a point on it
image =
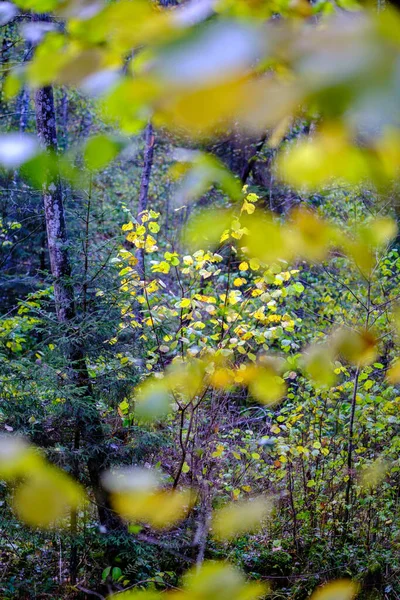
(226, 387)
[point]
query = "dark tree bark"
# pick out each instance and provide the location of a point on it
(63, 119)
(88, 423)
(23, 108)
(54, 211)
(144, 187)
(248, 166)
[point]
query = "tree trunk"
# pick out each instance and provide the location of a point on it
(144, 187)
(88, 420)
(54, 211)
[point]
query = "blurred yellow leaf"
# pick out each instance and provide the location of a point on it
(12, 85)
(131, 479)
(221, 581)
(127, 104)
(46, 497)
(152, 399)
(17, 459)
(238, 518)
(279, 132)
(186, 378)
(318, 363)
(161, 509)
(48, 60)
(370, 236)
(199, 171)
(123, 25)
(221, 378)
(362, 254)
(265, 238)
(205, 229)
(342, 589)
(372, 475)
(328, 155)
(357, 347)
(266, 385)
(309, 235)
(378, 232)
(201, 112)
(99, 151)
(393, 374)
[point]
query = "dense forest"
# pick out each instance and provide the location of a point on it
(200, 299)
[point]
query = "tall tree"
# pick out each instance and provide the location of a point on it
(149, 141)
(88, 423)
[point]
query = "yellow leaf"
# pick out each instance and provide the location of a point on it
(152, 287)
(265, 239)
(185, 303)
(329, 154)
(161, 267)
(154, 227)
(248, 208)
(259, 314)
(372, 475)
(239, 281)
(17, 459)
(357, 347)
(221, 378)
(160, 509)
(362, 254)
(318, 363)
(393, 374)
(99, 151)
(378, 232)
(186, 378)
(46, 497)
(202, 111)
(238, 518)
(220, 581)
(233, 297)
(127, 226)
(152, 399)
(341, 589)
(309, 236)
(266, 386)
(218, 452)
(205, 229)
(279, 132)
(254, 264)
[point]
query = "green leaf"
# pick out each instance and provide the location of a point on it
(100, 151)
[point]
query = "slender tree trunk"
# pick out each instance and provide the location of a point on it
(54, 211)
(248, 167)
(63, 119)
(23, 108)
(350, 453)
(88, 420)
(144, 187)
